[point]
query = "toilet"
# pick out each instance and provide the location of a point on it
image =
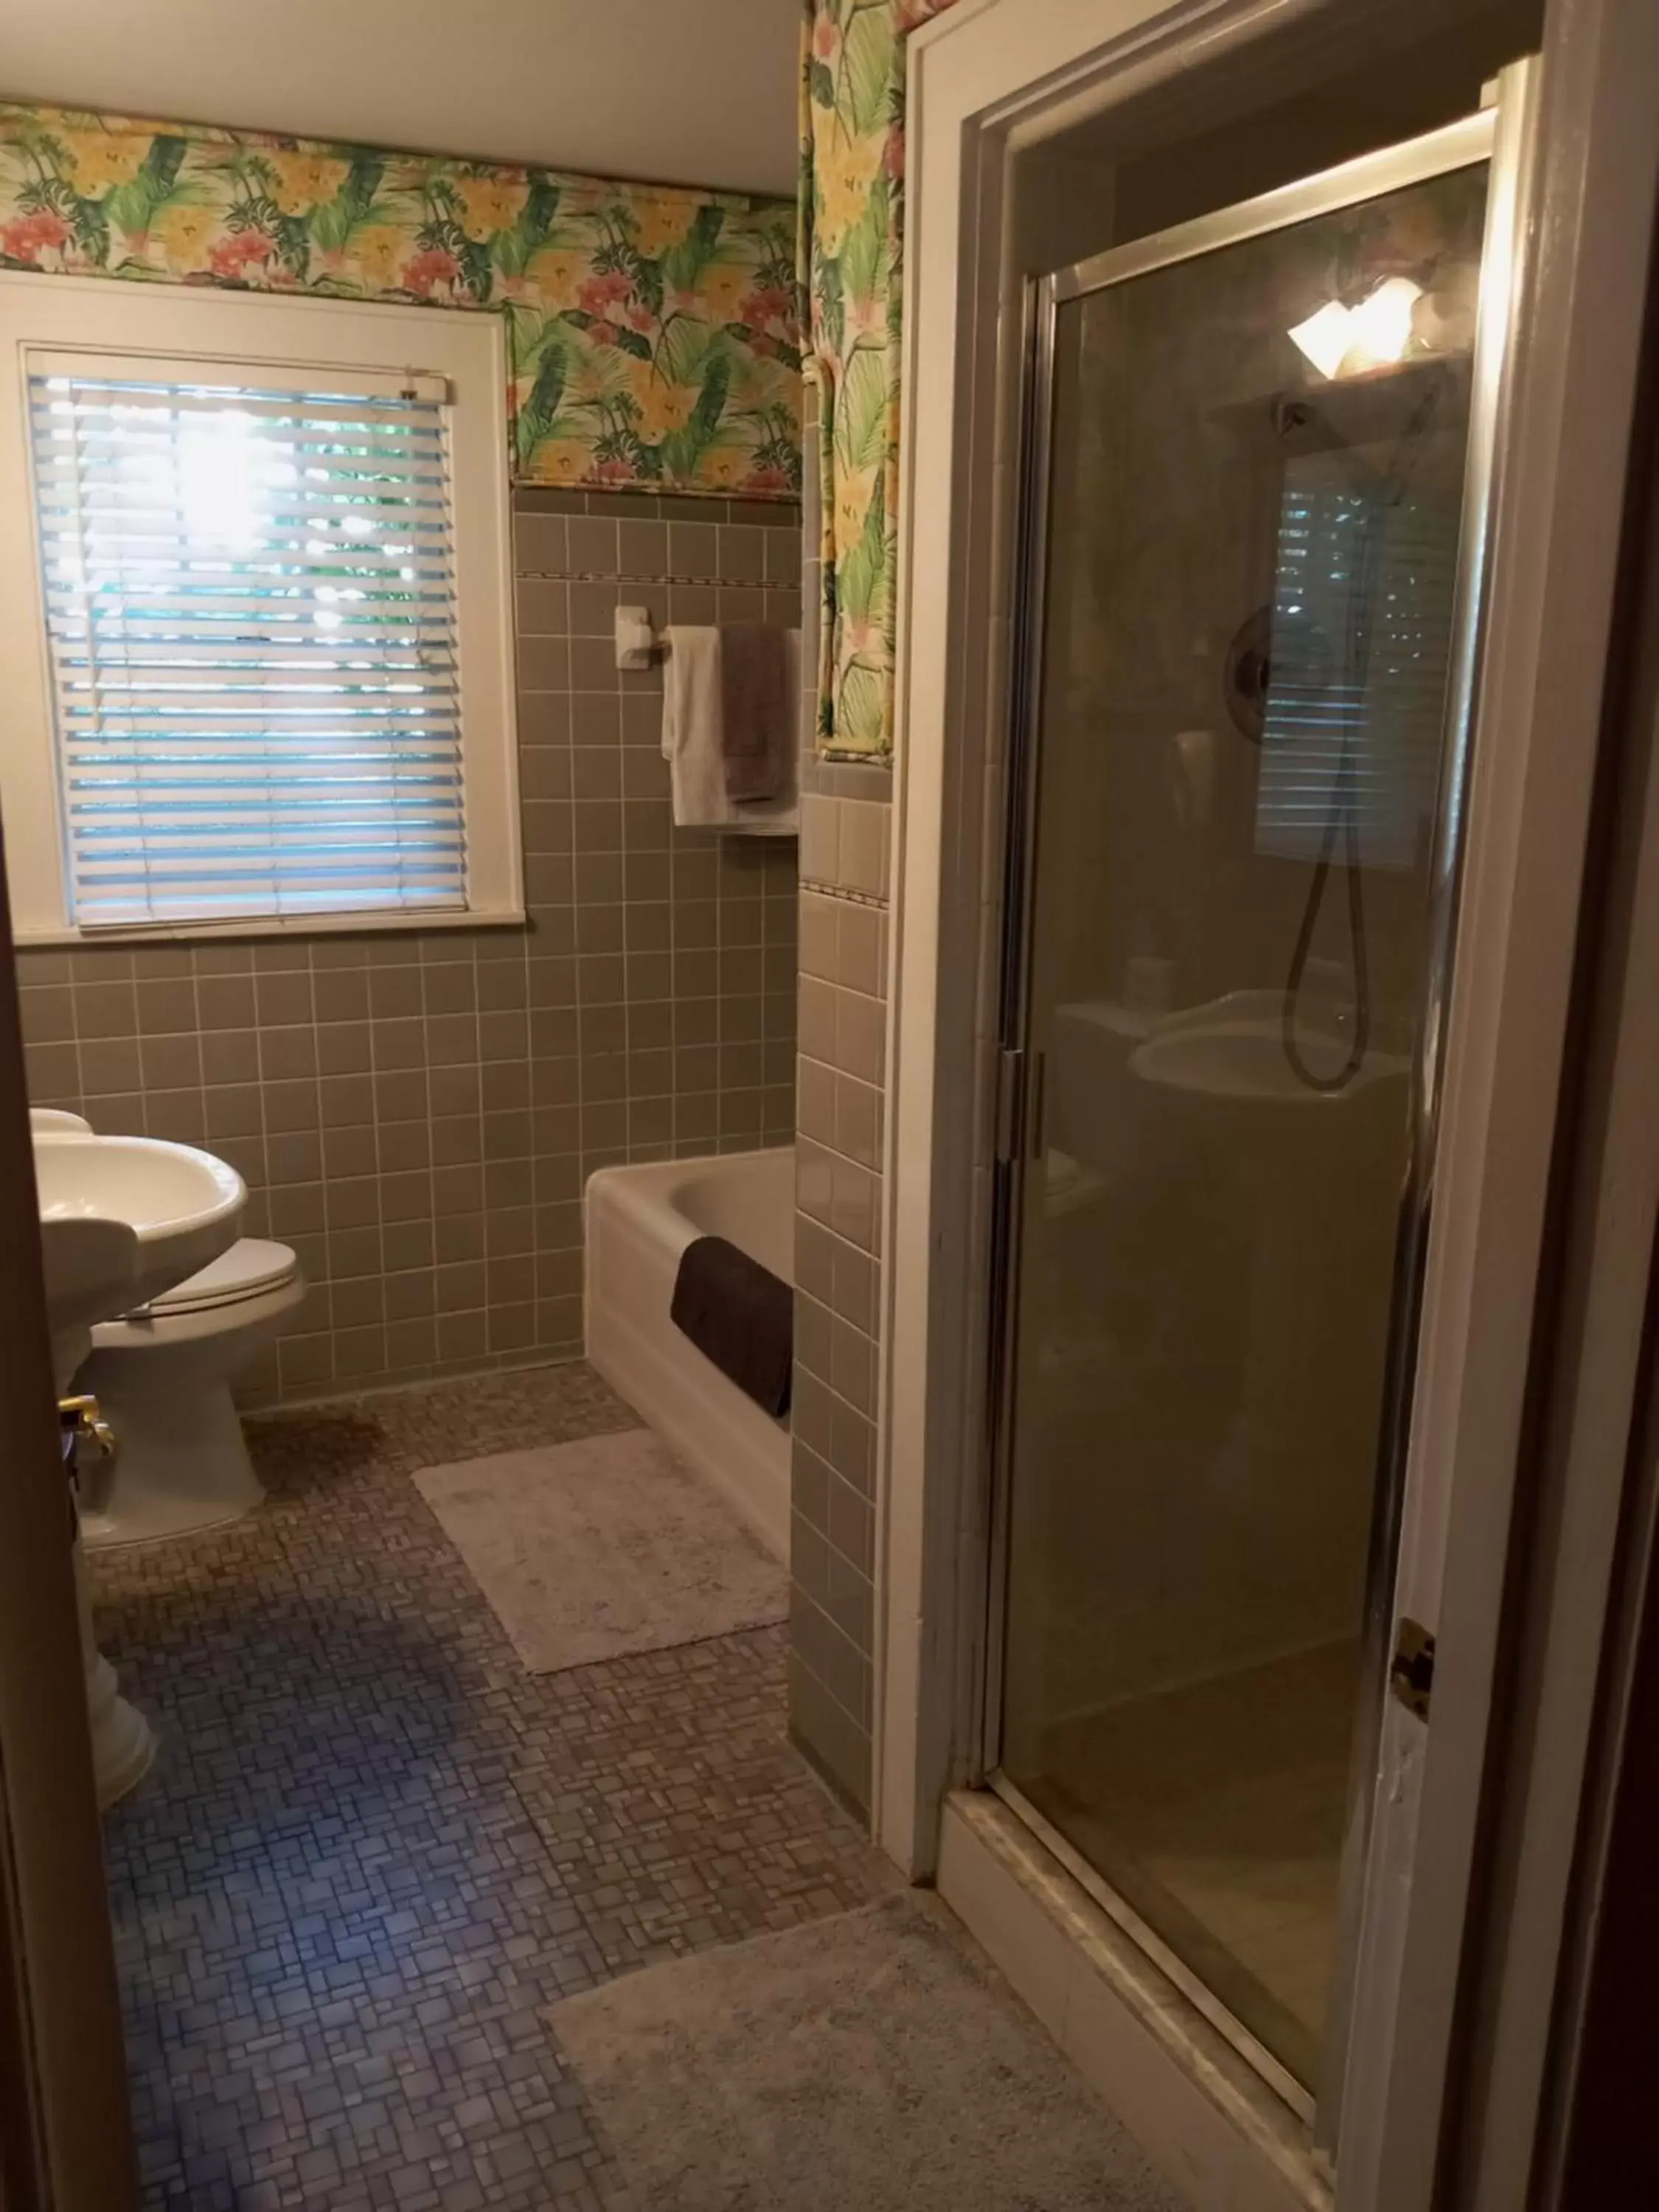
(163, 1377)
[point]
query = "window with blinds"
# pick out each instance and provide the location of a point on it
(252, 624)
(1361, 648)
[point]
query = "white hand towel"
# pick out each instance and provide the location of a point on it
(691, 741)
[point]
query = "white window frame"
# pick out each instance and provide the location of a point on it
(281, 333)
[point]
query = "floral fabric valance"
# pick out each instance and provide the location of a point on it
(851, 247)
(653, 332)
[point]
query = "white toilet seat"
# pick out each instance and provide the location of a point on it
(244, 1287)
(251, 1265)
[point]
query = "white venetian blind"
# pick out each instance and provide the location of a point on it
(1361, 636)
(251, 622)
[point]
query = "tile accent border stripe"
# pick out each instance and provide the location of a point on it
(614, 576)
(841, 891)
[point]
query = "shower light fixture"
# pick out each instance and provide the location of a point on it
(1326, 336)
(1335, 337)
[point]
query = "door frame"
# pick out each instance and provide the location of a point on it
(1559, 2025)
(66, 2140)
(985, 79)
(1555, 580)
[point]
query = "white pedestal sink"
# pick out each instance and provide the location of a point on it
(1235, 1050)
(122, 1218)
(1318, 1174)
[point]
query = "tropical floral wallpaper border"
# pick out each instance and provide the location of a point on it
(652, 331)
(850, 261)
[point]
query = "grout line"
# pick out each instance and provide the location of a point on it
(842, 1636)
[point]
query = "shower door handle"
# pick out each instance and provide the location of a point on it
(1010, 1103)
(1019, 1103)
(1036, 1105)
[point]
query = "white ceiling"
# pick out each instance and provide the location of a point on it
(662, 90)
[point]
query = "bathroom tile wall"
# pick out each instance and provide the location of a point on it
(416, 1112)
(846, 821)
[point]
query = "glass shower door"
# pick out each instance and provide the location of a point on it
(1242, 747)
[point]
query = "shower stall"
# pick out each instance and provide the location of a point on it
(1257, 452)
(1273, 452)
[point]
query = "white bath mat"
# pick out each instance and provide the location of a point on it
(590, 1550)
(872, 2062)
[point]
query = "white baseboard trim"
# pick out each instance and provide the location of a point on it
(1197, 2109)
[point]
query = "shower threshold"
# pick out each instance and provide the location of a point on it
(1201, 2109)
(1274, 2075)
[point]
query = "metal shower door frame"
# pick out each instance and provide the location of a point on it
(1497, 136)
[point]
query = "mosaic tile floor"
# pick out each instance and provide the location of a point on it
(373, 1846)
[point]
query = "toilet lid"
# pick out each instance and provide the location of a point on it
(247, 1269)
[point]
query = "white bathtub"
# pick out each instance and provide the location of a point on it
(639, 1219)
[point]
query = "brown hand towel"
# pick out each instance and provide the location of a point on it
(739, 1315)
(758, 716)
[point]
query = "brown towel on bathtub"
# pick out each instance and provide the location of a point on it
(739, 1315)
(757, 717)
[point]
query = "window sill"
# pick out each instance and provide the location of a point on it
(317, 924)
